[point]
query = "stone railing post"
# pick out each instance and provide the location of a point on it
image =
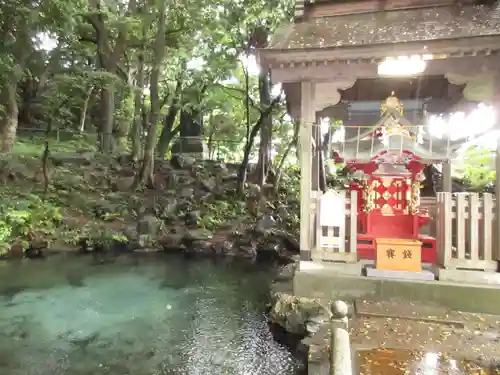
(341, 356)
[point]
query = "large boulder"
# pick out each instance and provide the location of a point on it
(264, 224)
(148, 225)
(298, 315)
(172, 243)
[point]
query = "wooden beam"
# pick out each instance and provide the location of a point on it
(348, 71)
(496, 222)
(319, 9)
(447, 48)
(307, 117)
(446, 176)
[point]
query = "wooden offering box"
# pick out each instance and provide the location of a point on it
(394, 254)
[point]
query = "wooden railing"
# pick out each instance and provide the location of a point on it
(465, 236)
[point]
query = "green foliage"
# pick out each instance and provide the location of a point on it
(479, 167)
(289, 195)
(28, 214)
(108, 238)
(70, 237)
(61, 55)
(126, 111)
(60, 84)
(220, 213)
(291, 181)
(63, 142)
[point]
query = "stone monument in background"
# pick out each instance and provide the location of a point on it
(191, 135)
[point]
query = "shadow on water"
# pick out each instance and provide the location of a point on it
(76, 280)
(8, 292)
(138, 315)
(407, 362)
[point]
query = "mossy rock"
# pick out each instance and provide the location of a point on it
(298, 315)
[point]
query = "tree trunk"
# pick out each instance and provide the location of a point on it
(247, 99)
(107, 113)
(279, 170)
(267, 129)
(125, 100)
(145, 175)
(138, 124)
(242, 171)
(110, 55)
(168, 131)
(83, 115)
(210, 140)
(8, 124)
(135, 132)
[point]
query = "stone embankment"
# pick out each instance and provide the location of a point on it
(91, 206)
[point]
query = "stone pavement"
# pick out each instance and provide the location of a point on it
(403, 338)
(406, 327)
(398, 338)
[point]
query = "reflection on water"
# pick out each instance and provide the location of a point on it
(405, 362)
(136, 317)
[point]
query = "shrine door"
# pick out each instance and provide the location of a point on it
(389, 215)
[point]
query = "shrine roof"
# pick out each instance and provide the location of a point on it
(389, 27)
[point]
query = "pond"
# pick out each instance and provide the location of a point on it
(137, 316)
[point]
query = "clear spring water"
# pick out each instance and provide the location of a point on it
(136, 316)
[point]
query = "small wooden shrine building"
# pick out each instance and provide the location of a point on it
(329, 58)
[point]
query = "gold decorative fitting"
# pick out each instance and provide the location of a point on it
(387, 210)
(392, 105)
(397, 129)
(414, 201)
(369, 195)
(387, 182)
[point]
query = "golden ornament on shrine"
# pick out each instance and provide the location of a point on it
(386, 210)
(392, 105)
(414, 201)
(369, 196)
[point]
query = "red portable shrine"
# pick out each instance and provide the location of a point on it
(386, 161)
